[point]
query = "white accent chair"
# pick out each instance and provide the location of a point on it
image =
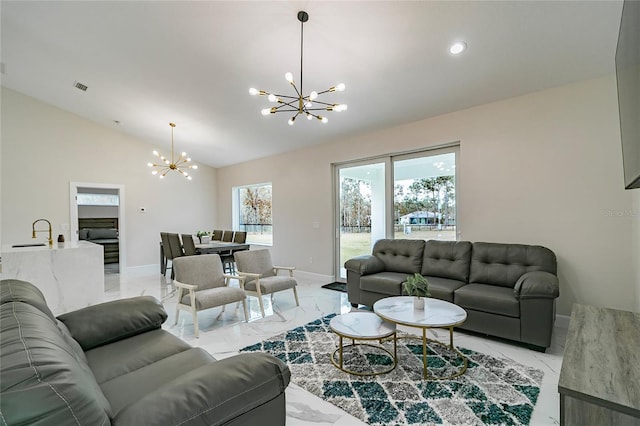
(261, 277)
(202, 285)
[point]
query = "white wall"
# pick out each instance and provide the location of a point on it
(544, 168)
(44, 148)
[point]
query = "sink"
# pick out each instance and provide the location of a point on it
(28, 245)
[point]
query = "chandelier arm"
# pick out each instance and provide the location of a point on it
(323, 103)
(316, 109)
(286, 96)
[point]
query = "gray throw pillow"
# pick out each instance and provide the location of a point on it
(102, 234)
(83, 234)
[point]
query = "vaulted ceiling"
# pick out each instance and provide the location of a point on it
(147, 63)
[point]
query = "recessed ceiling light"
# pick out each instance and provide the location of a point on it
(457, 47)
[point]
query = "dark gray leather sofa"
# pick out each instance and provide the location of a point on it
(508, 290)
(112, 364)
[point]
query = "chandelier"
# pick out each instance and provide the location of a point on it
(165, 166)
(300, 104)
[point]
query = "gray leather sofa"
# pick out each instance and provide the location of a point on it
(112, 364)
(508, 290)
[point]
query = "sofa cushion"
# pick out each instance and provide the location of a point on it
(447, 259)
(102, 233)
(130, 354)
(488, 298)
(503, 264)
(384, 283)
(400, 255)
(22, 291)
(128, 388)
(443, 288)
(41, 376)
(119, 319)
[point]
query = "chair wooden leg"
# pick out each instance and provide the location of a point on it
(196, 331)
(246, 313)
(177, 313)
(295, 293)
(261, 305)
(223, 306)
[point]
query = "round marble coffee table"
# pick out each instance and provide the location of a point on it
(436, 314)
(362, 326)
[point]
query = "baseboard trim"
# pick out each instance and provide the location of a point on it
(562, 321)
(312, 276)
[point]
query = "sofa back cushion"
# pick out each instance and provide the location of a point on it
(42, 378)
(503, 264)
(400, 255)
(447, 259)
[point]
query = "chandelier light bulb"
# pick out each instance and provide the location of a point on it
(193, 167)
(161, 176)
(291, 121)
(313, 95)
(340, 87)
(289, 77)
(150, 164)
(253, 91)
(272, 97)
(309, 116)
(155, 172)
(156, 153)
(266, 111)
(458, 47)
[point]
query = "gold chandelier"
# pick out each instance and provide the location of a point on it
(165, 166)
(300, 104)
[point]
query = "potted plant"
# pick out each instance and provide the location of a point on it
(418, 286)
(203, 235)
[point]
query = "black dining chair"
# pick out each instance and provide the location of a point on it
(176, 248)
(217, 235)
(227, 236)
(188, 245)
(240, 237)
(166, 251)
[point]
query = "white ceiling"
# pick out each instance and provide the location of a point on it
(147, 63)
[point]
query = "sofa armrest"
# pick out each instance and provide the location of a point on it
(109, 322)
(366, 264)
(537, 285)
(213, 394)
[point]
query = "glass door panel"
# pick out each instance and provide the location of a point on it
(424, 197)
(361, 211)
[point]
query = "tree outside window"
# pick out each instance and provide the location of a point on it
(254, 213)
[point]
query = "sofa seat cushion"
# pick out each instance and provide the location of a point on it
(443, 288)
(384, 283)
(125, 356)
(135, 385)
(488, 298)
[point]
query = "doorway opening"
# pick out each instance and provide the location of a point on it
(97, 215)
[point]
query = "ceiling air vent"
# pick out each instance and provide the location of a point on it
(80, 86)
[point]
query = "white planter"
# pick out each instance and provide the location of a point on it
(418, 303)
(206, 239)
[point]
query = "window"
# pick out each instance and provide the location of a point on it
(86, 199)
(252, 212)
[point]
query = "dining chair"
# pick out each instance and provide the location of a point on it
(216, 235)
(227, 236)
(188, 245)
(203, 285)
(261, 276)
(166, 251)
(240, 237)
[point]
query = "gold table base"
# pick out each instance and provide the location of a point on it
(450, 347)
(340, 364)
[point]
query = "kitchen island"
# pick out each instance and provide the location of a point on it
(70, 274)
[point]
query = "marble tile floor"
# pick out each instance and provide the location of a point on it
(223, 333)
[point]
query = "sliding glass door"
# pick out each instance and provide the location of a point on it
(399, 196)
(361, 209)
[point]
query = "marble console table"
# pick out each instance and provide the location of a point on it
(600, 377)
(70, 275)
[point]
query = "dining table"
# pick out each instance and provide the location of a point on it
(216, 247)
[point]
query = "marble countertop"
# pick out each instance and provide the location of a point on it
(8, 248)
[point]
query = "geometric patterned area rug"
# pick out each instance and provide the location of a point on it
(492, 391)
